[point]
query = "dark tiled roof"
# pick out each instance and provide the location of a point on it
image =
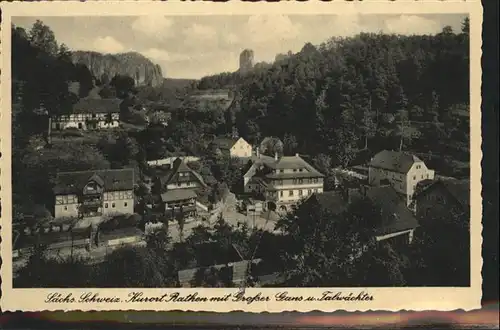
(458, 189)
(396, 161)
(93, 105)
(178, 194)
(74, 182)
(225, 143)
(396, 216)
(290, 162)
(172, 175)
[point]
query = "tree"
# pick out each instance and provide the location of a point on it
(325, 248)
(43, 38)
(289, 144)
(44, 271)
(271, 146)
(131, 267)
(123, 85)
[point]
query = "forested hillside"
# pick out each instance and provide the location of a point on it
(368, 92)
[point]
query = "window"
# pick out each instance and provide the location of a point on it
(422, 176)
(112, 205)
(282, 171)
(315, 190)
(300, 192)
(309, 191)
(294, 181)
(295, 170)
(65, 208)
(300, 170)
(414, 177)
(281, 193)
(427, 176)
(105, 205)
(290, 193)
(125, 204)
(300, 180)
(79, 125)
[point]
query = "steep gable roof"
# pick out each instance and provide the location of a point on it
(113, 180)
(396, 216)
(395, 161)
(179, 165)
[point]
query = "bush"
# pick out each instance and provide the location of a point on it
(71, 132)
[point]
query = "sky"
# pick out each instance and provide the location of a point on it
(197, 46)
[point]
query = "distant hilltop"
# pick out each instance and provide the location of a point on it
(132, 64)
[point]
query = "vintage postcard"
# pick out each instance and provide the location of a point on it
(293, 156)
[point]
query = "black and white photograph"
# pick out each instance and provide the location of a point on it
(241, 151)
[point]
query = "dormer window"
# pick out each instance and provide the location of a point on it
(282, 171)
(300, 169)
(295, 170)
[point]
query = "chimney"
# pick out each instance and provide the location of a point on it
(276, 156)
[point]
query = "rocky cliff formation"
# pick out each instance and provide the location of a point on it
(135, 65)
(246, 60)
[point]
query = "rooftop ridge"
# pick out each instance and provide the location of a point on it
(100, 170)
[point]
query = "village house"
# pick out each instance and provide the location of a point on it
(90, 113)
(179, 203)
(402, 170)
(94, 193)
(441, 199)
(235, 147)
(176, 186)
(397, 224)
(282, 181)
(177, 175)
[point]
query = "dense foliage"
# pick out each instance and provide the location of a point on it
(372, 91)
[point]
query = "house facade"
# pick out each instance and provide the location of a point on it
(94, 193)
(90, 113)
(233, 147)
(282, 181)
(175, 190)
(179, 203)
(178, 175)
(402, 170)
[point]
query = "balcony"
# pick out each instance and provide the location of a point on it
(92, 202)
